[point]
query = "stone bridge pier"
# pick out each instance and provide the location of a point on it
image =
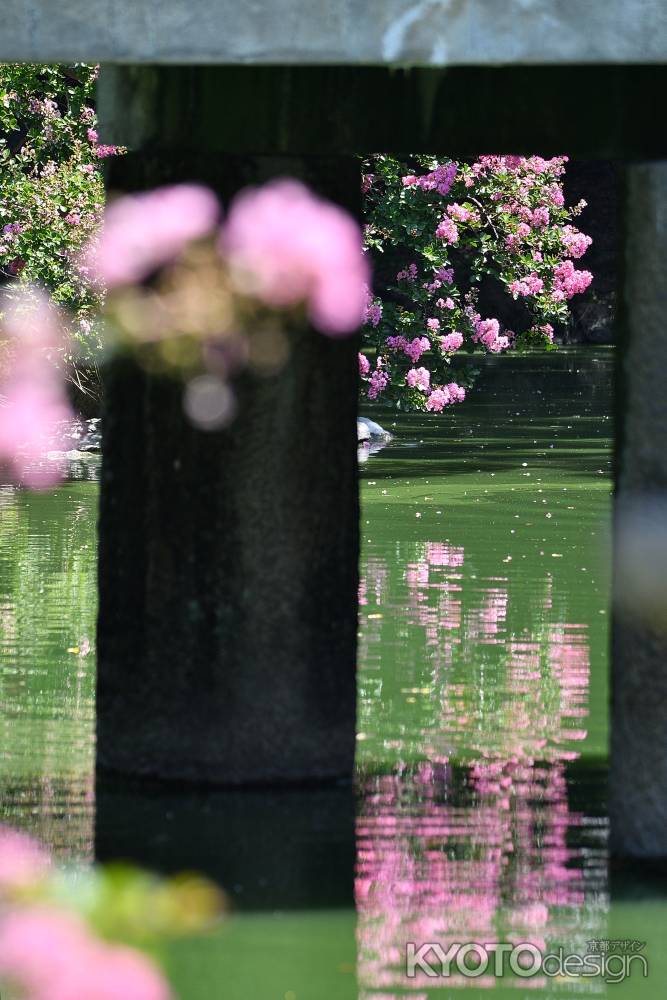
(228, 562)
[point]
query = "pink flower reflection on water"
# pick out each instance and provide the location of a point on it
(477, 842)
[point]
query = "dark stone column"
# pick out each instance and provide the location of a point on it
(228, 560)
(638, 780)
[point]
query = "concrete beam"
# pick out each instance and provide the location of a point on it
(590, 112)
(356, 32)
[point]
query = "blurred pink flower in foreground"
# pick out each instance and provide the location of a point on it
(286, 246)
(52, 956)
(22, 860)
(28, 423)
(142, 232)
(33, 404)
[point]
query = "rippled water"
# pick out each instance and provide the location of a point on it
(480, 801)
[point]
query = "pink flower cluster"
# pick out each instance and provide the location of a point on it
(540, 217)
(555, 195)
(103, 152)
(407, 274)
(143, 232)
(451, 342)
(440, 179)
(413, 348)
(444, 396)
(568, 281)
(285, 245)
(50, 954)
(530, 285)
(487, 332)
(378, 381)
(433, 324)
(461, 213)
(447, 230)
(419, 378)
(548, 331)
(298, 247)
(575, 242)
(364, 365)
(372, 310)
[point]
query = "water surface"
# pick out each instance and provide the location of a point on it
(482, 743)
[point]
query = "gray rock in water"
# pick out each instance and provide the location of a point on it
(80, 435)
(371, 438)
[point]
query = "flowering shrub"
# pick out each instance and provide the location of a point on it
(51, 190)
(461, 230)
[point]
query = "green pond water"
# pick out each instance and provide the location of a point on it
(479, 809)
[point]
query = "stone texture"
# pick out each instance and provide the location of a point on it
(358, 32)
(638, 780)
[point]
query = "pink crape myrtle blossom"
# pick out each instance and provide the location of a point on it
(416, 347)
(52, 956)
(440, 179)
(575, 242)
(408, 273)
(532, 284)
(451, 342)
(438, 400)
(445, 275)
(378, 381)
(487, 333)
(290, 246)
(540, 217)
(103, 152)
(29, 422)
(413, 348)
(462, 214)
(568, 281)
(142, 232)
(456, 392)
(433, 324)
(372, 309)
(23, 861)
(419, 378)
(364, 365)
(447, 230)
(397, 343)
